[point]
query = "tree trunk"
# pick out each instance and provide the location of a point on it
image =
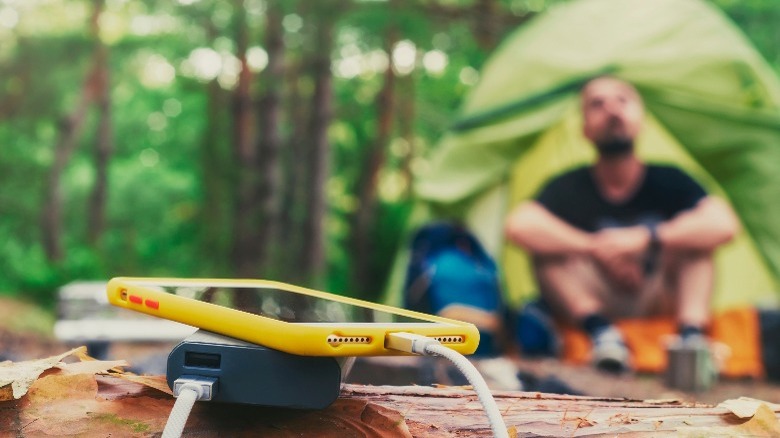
(104, 145)
(488, 20)
(406, 117)
(313, 263)
(246, 245)
(294, 193)
(269, 141)
(70, 128)
(218, 179)
(485, 24)
(365, 215)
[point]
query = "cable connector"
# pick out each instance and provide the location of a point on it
(187, 390)
(418, 344)
(204, 387)
(409, 342)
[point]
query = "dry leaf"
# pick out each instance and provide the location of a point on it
(746, 407)
(16, 378)
(62, 386)
(19, 376)
(67, 405)
(763, 423)
(156, 382)
(91, 366)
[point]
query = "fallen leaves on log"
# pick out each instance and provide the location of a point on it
(17, 377)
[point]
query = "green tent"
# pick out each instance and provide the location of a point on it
(713, 108)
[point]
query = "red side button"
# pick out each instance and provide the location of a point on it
(135, 299)
(152, 304)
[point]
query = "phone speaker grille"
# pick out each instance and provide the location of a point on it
(455, 339)
(338, 340)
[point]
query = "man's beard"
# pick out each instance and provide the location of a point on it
(615, 147)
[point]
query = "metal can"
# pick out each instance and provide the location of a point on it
(691, 366)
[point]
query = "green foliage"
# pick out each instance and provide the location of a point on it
(160, 220)
(758, 19)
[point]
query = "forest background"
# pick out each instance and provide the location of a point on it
(237, 138)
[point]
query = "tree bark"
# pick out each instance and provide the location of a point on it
(365, 215)
(70, 128)
(269, 141)
(485, 29)
(104, 146)
(116, 404)
(487, 19)
(313, 262)
(294, 194)
(218, 177)
(407, 113)
(246, 246)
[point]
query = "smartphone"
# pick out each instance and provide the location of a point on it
(285, 317)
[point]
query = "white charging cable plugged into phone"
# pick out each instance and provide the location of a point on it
(423, 345)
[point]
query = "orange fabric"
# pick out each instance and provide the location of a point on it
(738, 329)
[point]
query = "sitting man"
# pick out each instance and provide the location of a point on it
(622, 238)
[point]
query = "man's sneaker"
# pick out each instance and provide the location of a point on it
(610, 352)
(695, 340)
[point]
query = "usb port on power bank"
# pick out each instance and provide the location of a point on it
(202, 360)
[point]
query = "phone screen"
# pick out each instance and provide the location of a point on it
(280, 304)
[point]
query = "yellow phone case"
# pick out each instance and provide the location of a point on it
(301, 338)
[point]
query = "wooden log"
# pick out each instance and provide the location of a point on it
(457, 412)
(88, 405)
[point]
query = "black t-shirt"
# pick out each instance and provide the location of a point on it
(665, 192)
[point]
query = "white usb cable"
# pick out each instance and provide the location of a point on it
(187, 390)
(418, 344)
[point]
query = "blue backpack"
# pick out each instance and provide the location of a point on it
(449, 266)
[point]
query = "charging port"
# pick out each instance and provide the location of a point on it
(202, 360)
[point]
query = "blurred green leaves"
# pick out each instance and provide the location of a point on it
(164, 56)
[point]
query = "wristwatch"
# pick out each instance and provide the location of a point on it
(653, 250)
(655, 241)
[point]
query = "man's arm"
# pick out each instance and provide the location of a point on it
(706, 226)
(536, 229)
(703, 228)
(542, 233)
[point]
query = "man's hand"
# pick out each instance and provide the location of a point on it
(631, 242)
(620, 253)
